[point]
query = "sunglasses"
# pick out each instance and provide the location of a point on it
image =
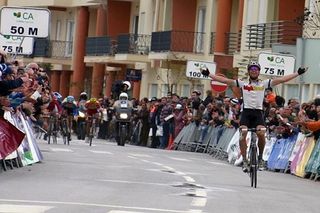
(34, 69)
(256, 69)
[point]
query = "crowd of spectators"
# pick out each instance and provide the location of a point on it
(171, 113)
(26, 88)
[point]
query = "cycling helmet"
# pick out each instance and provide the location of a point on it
(127, 83)
(123, 95)
(57, 95)
(253, 64)
(70, 99)
(92, 100)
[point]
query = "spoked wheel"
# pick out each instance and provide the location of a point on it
(253, 167)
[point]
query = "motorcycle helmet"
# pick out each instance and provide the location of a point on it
(83, 96)
(128, 84)
(253, 64)
(123, 96)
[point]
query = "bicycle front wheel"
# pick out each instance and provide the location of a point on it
(253, 167)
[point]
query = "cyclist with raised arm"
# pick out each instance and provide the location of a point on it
(252, 91)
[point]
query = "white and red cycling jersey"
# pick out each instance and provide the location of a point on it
(253, 92)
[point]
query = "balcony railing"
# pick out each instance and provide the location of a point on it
(103, 45)
(134, 44)
(177, 41)
(233, 42)
(52, 49)
(212, 41)
(260, 36)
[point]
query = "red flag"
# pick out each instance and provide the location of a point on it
(171, 143)
(10, 138)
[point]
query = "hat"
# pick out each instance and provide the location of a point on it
(5, 69)
(197, 92)
(178, 106)
(234, 101)
(153, 99)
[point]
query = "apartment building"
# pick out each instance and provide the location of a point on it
(93, 43)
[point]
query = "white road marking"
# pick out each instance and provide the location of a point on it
(201, 193)
(7, 208)
(180, 159)
(60, 150)
(180, 173)
(194, 211)
(199, 202)
(101, 152)
(158, 164)
(117, 211)
(91, 204)
(189, 179)
(140, 155)
(146, 161)
(169, 168)
(131, 182)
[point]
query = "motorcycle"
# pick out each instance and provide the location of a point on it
(81, 126)
(123, 114)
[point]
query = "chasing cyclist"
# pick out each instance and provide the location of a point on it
(252, 91)
(69, 106)
(92, 112)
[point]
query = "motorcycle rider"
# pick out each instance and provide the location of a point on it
(81, 118)
(120, 87)
(123, 102)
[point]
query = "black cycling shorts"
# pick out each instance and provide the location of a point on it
(252, 118)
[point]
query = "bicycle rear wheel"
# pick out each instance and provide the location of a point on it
(253, 167)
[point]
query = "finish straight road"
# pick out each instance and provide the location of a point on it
(107, 178)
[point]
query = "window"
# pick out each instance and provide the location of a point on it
(58, 30)
(200, 29)
(164, 90)
(185, 90)
(153, 90)
(69, 39)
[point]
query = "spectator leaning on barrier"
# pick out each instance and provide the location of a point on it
(253, 90)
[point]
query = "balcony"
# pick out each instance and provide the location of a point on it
(52, 49)
(264, 35)
(99, 46)
(177, 41)
(233, 42)
(134, 44)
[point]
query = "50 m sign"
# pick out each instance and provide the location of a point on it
(24, 22)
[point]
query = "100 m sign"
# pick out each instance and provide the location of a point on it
(193, 74)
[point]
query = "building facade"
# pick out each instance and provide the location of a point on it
(93, 43)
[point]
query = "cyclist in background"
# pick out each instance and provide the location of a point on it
(252, 116)
(92, 111)
(69, 110)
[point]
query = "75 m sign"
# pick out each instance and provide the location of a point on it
(273, 64)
